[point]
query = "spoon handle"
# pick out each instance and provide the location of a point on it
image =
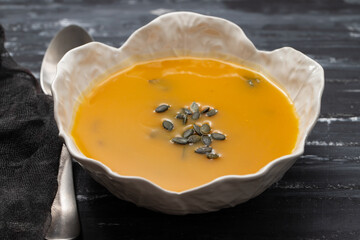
(65, 222)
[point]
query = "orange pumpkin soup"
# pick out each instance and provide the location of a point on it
(116, 122)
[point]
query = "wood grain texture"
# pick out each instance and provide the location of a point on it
(318, 198)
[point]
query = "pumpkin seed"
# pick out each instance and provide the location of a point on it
(162, 108)
(179, 140)
(185, 119)
(218, 136)
(194, 139)
(195, 116)
(168, 125)
(211, 113)
(180, 116)
(206, 140)
(203, 150)
(188, 133)
(187, 111)
(205, 110)
(212, 155)
(205, 129)
(197, 129)
(250, 82)
(194, 107)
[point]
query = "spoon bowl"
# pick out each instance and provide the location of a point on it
(66, 39)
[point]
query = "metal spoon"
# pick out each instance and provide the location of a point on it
(65, 220)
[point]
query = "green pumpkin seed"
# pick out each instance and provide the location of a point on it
(185, 119)
(168, 125)
(194, 139)
(211, 113)
(205, 129)
(194, 107)
(212, 155)
(218, 136)
(203, 150)
(188, 133)
(250, 82)
(180, 116)
(195, 116)
(197, 129)
(206, 140)
(179, 140)
(162, 108)
(187, 111)
(205, 110)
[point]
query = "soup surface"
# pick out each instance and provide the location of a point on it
(116, 124)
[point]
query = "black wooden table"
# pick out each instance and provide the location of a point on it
(318, 198)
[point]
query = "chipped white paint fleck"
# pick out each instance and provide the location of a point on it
(323, 143)
(354, 35)
(315, 157)
(160, 11)
(354, 27)
(66, 22)
(333, 119)
(354, 30)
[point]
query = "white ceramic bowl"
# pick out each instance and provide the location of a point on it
(188, 34)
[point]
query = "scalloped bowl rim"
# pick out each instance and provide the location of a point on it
(259, 173)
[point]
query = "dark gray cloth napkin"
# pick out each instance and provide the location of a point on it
(29, 152)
